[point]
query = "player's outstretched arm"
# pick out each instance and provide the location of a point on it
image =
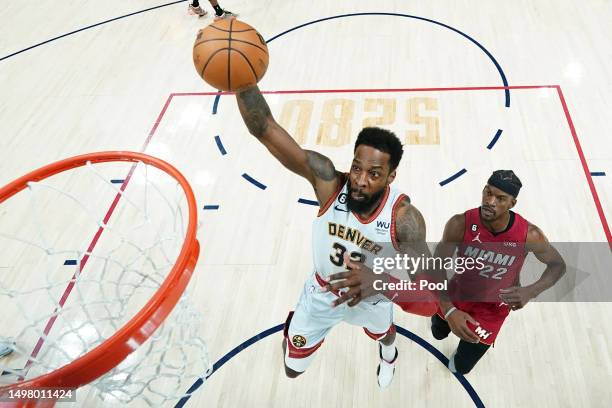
(316, 168)
(456, 319)
(518, 296)
(451, 238)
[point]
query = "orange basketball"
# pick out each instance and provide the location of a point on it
(230, 54)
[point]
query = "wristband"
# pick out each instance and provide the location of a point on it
(450, 311)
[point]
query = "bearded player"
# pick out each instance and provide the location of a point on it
(480, 298)
(346, 227)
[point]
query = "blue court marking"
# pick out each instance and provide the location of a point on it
(404, 332)
(70, 262)
(253, 181)
(598, 173)
(117, 181)
(226, 358)
(309, 202)
(427, 346)
(88, 27)
(220, 145)
(495, 139)
(453, 177)
(216, 104)
(491, 57)
(211, 207)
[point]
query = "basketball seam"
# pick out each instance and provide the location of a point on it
(229, 57)
(233, 39)
(208, 60)
(229, 31)
(248, 62)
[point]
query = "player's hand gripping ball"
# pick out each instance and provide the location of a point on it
(230, 54)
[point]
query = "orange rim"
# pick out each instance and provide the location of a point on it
(116, 348)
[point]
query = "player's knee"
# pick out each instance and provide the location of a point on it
(296, 365)
(467, 355)
(439, 333)
(388, 339)
(439, 328)
(463, 367)
(464, 364)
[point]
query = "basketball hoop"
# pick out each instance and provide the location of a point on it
(146, 268)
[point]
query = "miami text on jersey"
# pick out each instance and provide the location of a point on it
(489, 256)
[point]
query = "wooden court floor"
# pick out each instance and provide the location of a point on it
(422, 69)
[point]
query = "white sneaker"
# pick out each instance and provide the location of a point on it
(226, 14)
(386, 369)
(6, 348)
(198, 11)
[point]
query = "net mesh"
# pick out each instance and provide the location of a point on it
(81, 256)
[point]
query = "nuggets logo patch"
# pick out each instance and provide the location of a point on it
(298, 341)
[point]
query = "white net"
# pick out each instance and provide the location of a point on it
(80, 257)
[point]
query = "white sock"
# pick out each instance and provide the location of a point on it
(388, 352)
(451, 362)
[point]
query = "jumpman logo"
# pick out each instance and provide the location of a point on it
(477, 238)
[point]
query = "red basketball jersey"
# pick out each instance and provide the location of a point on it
(498, 259)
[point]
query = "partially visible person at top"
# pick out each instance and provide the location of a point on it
(195, 9)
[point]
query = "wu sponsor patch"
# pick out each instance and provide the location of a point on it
(382, 226)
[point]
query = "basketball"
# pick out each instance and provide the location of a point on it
(230, 54)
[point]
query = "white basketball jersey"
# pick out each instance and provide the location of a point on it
(337, 230)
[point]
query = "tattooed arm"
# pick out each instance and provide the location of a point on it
(410, 230)
(313, 166)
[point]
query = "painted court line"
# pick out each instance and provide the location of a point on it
(495, 139)
(574, 135)
(308, 202)
(453, 177)
(585, 167)
(253, 181)
(220, 145)
(113, 205)
(260, 336)
(41, 340)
